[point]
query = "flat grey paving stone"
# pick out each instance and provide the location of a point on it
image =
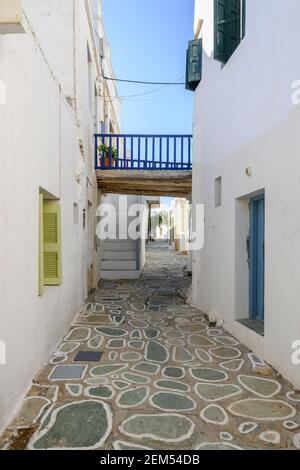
(171, 401)
(156, 352)
(166, 381)
(169, 428)
(111, 331)
(147, 368)
(88, 426)
(172, 385)
(88, 356)
(174, 372)
(67, 372)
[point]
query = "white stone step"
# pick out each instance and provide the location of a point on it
(119, 245)
(116, 275)
(119, 255)
(118, 265)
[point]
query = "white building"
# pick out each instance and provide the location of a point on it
(180, 224)
(122, 249)
(53, 55)
(246, 170)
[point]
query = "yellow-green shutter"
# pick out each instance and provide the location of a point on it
(41, 247)
(52, 244)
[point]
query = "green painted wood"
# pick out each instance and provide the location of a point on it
(194, 64)
(220, 30)
(41, 246)
(52, 243)
(229, 26)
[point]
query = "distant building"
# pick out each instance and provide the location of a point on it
(180, 224)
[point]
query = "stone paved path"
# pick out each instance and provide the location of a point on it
(166, 380)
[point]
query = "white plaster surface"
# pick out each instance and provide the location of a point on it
(244, 117)
(45, 120)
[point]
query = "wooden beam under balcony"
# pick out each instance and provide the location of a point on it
(145, 182)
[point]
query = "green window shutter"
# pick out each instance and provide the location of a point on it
(229, 27)
(243, 19)
(41, 246)
(194, 64)
(52, 244)
(220, 30)
(233, 30)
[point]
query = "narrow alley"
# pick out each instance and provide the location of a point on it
(140, 369)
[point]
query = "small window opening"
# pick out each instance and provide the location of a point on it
(218, 191)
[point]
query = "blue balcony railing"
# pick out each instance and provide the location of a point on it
(143, 152)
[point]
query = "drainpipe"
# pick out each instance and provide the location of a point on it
(190, 252)
(149, 224)
(139, 240)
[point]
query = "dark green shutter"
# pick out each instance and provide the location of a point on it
(220, 30)
(187, 86)
(194, 64)
(233, 29)
(243, 18)
(229, 27)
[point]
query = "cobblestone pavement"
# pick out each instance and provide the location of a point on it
(165, 380)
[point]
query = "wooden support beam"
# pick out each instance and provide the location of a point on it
(156, 183)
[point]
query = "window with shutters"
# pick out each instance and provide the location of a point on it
(229, 27)
(50, 272)
(194, 64)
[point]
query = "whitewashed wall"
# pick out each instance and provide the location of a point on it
(46, 134)
(124, 256)
(244, 117)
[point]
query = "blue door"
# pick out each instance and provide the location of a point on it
(257, 257)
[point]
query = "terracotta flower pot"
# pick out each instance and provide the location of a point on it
(105, 161)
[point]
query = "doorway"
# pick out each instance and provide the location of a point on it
(257, 258)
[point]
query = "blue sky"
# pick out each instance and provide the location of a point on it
(148, 40)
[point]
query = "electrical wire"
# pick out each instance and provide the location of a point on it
(141, 94)
(142, 82)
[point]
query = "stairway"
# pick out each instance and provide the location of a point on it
(120, 259)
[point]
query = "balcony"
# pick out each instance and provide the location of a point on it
(144, 164)
(143, 152)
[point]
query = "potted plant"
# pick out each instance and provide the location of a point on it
(105, 151)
